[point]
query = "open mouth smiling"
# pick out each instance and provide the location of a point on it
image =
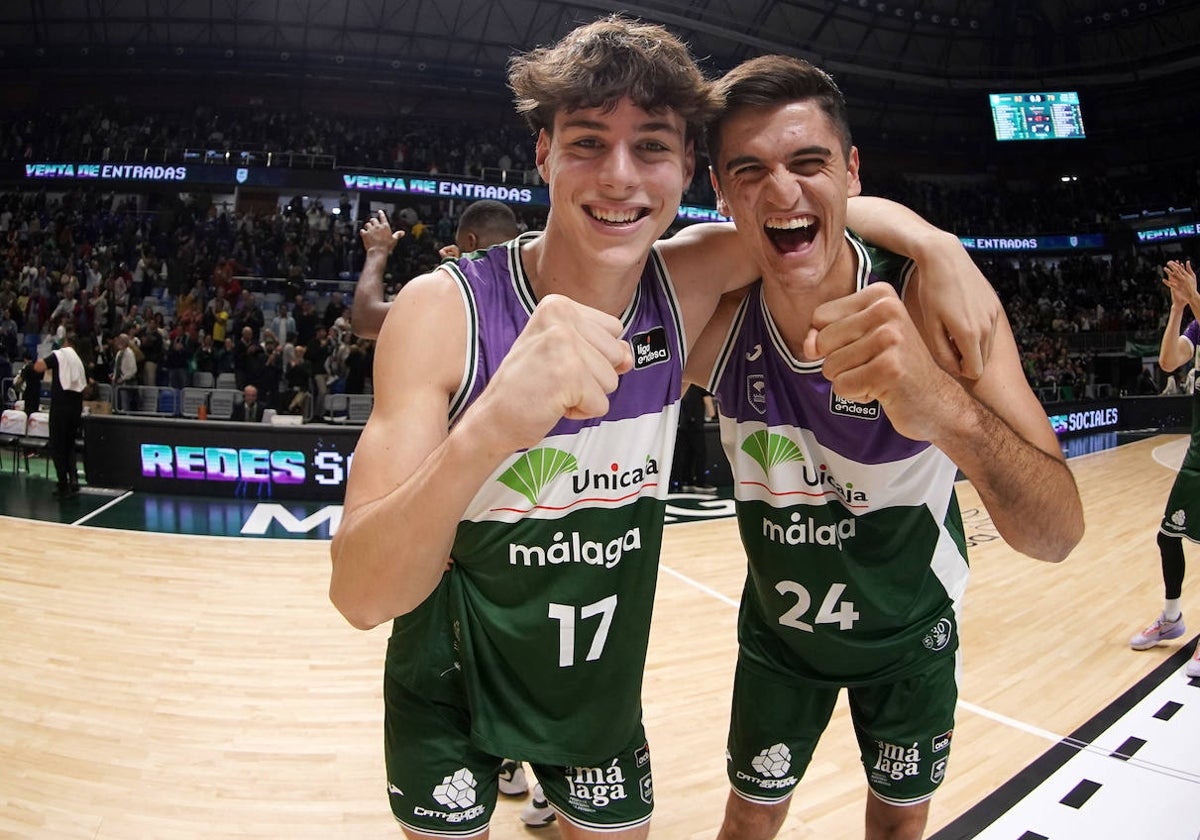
(617, 218)
(790, 235)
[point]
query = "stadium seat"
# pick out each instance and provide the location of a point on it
(12, 428)
(36, 440)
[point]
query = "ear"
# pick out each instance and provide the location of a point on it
(541, 152)
(689, 163)
(722, 204)
(853, 184)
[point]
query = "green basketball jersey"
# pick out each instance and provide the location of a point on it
(857, 559)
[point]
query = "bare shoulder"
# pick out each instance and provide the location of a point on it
(423, 338)
(703, 253)
(419, 360)
(705, 260)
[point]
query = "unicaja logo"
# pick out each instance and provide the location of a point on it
(530, 473)
(614, 478)
(768, 449)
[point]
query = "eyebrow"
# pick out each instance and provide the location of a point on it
(807, 151)
(598, 125)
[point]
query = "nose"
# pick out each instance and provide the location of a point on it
(618, 170)
(783, 188)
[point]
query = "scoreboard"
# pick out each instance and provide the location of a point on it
(1037, 116)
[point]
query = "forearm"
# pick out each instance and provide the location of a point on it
(1171, 355)
(893, 226)
(390, 552)
(1030, 494)
(369, 307)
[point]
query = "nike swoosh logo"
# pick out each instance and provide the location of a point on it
(755, 353)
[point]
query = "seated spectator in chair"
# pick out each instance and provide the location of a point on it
(298, 378)
(248, 410)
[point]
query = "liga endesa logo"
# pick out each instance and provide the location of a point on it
(650, 348)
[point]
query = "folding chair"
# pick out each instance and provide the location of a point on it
(36, 439)
(203, 379)
(193, 399)
(359, 408)
(220, 404)
(337, 408)
(13, 423)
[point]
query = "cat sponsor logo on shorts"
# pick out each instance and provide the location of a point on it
(772, 766)
(456, 794)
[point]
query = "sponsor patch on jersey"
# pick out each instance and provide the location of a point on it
(650, 348)
(942, 742)
(849, 408)
(642, 755)
(756, 392)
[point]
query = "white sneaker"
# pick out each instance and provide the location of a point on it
(538, 812)
(1159, 630)
(1193, 666)
(512, 778)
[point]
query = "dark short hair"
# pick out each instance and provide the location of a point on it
(489, 220)
(775, 80)
(598, 64)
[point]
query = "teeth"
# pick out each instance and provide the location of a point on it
(615, 216)
(790, 224)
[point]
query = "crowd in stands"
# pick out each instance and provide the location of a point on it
(122, 132)
(177, 293)
(197, 287)
(125, 132)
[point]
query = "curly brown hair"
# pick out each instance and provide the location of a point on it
(597, 64)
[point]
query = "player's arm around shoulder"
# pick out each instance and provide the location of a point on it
(960, 305)
(1000, 437)
(707, 348)
(706, 260)
(410, 480)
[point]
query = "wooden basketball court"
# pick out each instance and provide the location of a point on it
(174, 686)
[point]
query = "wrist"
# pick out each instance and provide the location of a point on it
(929, 242)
